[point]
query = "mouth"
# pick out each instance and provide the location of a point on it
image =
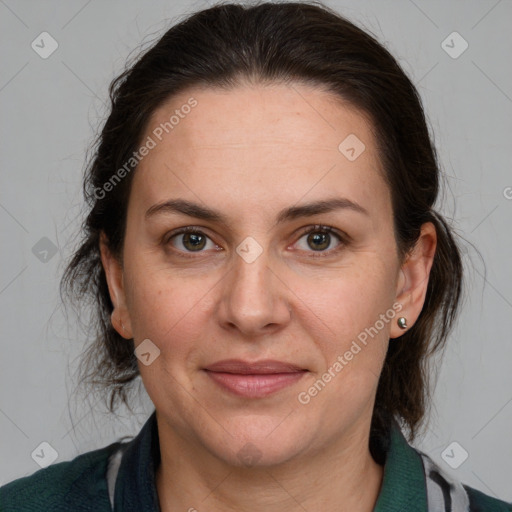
(254, 380)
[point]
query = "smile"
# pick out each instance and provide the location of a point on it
(254, 380)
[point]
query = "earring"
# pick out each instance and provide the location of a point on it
(402, 322)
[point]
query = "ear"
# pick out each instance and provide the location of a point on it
(114, 274)
(413, 279)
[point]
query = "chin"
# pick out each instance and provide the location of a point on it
(265, 447)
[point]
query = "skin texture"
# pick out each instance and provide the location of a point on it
(249, 153)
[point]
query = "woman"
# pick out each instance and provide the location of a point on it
(263, 250)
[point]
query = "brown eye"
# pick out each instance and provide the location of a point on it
(322, 240)
(189, 240)
(193, 241)
(319, 241)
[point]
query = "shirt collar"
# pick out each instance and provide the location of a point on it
(136, 480)
(403, 485)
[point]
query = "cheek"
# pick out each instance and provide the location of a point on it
(350, 302)
(162, 306)
(356, 314)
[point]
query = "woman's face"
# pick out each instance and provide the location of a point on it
(252, 171)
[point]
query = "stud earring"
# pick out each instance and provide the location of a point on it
(402, 322)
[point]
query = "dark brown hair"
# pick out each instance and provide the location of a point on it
(275, 42)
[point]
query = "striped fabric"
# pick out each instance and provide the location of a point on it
(445, 494)
(121, 478)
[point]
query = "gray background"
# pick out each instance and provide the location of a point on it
(51, 109)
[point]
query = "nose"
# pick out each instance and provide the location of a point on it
(254, 298)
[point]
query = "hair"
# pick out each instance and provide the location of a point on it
(223, 46)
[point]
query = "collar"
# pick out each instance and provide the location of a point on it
(135, 487)
(403, 484)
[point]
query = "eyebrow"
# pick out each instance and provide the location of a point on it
(293, 212)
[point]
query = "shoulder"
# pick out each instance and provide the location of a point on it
(79, 485)
(446, 493)
(482, 502)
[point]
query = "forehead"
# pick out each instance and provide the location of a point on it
(250, 114)
(259, 140)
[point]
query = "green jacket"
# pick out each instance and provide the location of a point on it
(121, 478)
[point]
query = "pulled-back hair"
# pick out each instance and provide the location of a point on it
(224, 46)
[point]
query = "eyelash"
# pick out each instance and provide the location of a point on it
(317, 228)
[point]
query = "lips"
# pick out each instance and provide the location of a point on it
(254, 380)
(257, 368)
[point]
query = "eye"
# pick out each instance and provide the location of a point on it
(317, 239)
(320, 238)
(189, 239)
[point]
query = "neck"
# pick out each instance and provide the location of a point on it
(342, 477)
